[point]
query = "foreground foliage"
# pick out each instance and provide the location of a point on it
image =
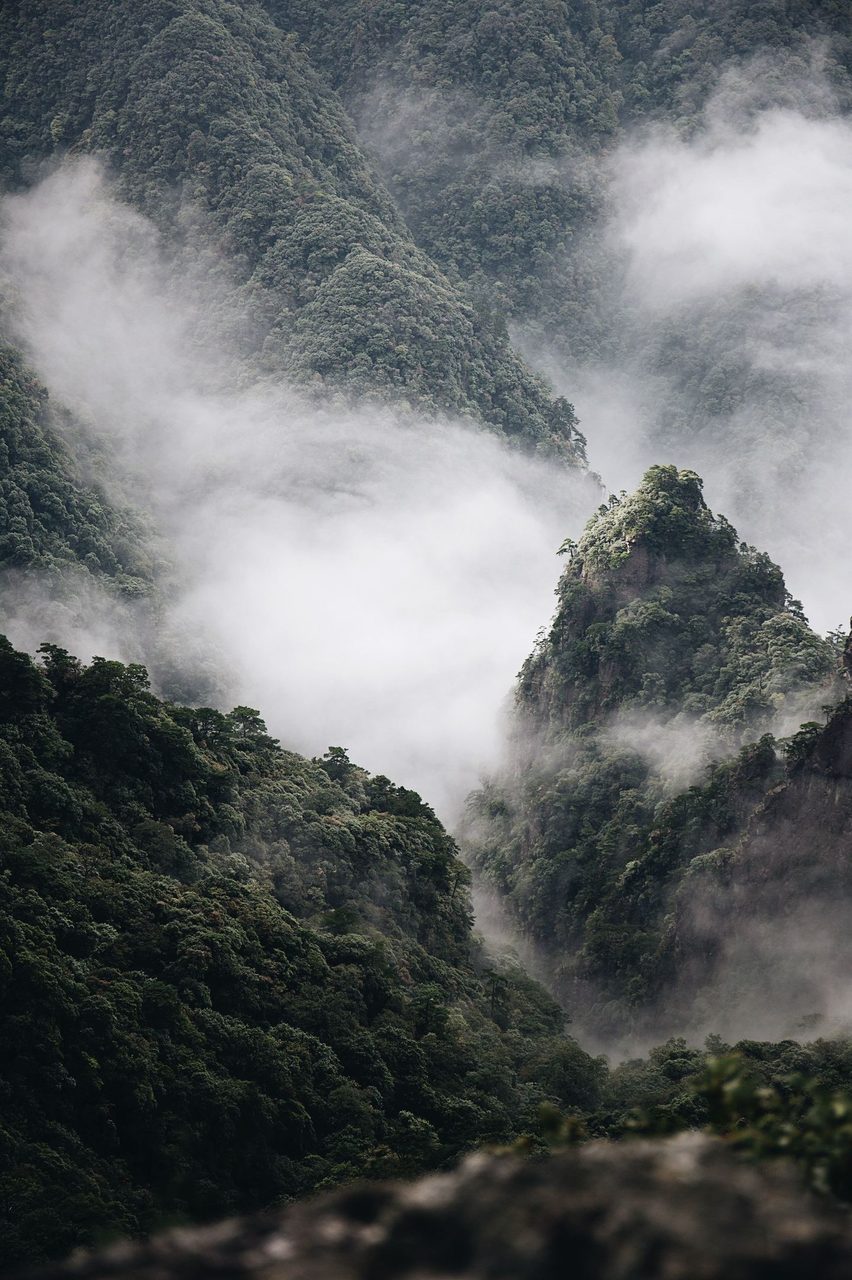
(766, 1100)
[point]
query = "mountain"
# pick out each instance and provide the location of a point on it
(643, 742)
(216, 125)
(475, 113)
(673, 55)
(231, 975)
(489, 121)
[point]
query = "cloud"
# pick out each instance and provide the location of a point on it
(725, 269)
(366, 579)
(727, 211)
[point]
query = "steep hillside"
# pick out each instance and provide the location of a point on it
(661, 608)
(762, 921)
(673, 52)
(218, 127)
(671, 647)
(230, 975)
(488, 119)
(479, 115)
(52, 518)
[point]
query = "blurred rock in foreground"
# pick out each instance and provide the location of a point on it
(677, 1209)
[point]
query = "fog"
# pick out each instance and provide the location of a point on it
(373, 579)
(726, 261)
(678, 751)
(365, 579)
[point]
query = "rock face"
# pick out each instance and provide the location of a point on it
(672, 644)
(678, 1209)
(759, 938)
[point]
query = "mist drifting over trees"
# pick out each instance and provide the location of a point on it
(332, 340)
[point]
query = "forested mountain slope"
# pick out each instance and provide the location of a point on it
(230, 975)
(672, 52)
(762, 921)
(471, 110)
(672, 646)
(219, 128)
(488, 119)
(52, 518)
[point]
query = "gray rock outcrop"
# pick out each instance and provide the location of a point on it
(684, 1208)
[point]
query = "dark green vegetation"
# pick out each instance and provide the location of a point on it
(489, 118)
(673, 52)
(213, 118)
(52, 518)
(767, 1100)
(230, 975)
(475, 112)
(670, 641)
(661, 608)
(481, 118)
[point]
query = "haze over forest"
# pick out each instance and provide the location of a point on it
(334, 339)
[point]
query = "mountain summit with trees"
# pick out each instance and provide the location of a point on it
(232, 976)
(661, 707)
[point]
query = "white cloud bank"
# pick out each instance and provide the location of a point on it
(365, 581)
(726, 262)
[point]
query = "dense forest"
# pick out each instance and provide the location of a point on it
(55, 517)
(211, 114)
(647, 733)
(231, 974)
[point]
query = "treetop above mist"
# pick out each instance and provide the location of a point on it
(642, 745)
(661, 607)
(667, 516)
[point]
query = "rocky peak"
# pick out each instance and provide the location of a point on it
(662, 608)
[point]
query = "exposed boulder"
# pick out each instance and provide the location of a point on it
(680, 1209)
